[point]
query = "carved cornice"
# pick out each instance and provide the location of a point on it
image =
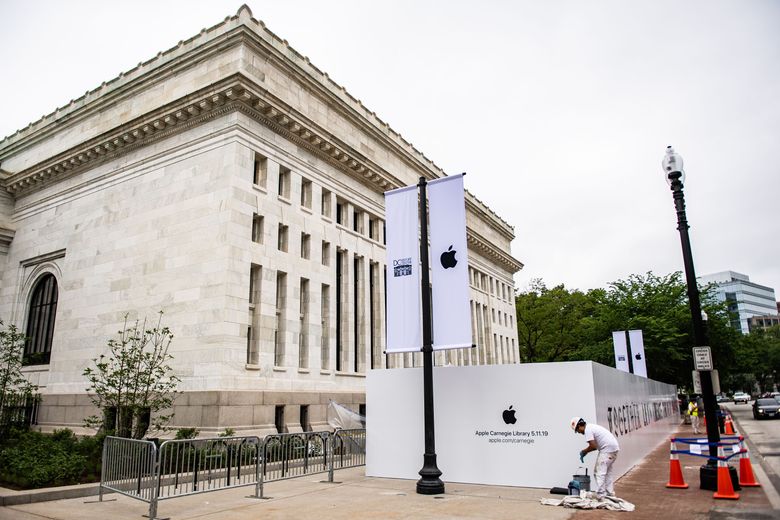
(234, 94)
(485, 248)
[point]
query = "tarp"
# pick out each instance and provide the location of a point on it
(342, 418)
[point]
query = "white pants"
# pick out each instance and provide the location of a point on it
(695, 423)
(603, 473)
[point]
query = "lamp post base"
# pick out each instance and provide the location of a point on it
(708, 477)
(430, 483)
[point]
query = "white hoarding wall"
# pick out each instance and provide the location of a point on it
(500, 425)
(640, 412)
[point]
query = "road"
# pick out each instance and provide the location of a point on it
(763, 438)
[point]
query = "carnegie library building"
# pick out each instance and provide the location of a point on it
(231, 184)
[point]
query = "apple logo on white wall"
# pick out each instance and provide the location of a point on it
(509, 416)
(448, 259)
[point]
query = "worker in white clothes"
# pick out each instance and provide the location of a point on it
(599, 439)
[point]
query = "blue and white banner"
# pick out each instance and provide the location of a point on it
(637, 352)
(404, 329)
(449, 264)
(621, 350)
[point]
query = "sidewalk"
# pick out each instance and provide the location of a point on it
(357, 497)
(645, 487)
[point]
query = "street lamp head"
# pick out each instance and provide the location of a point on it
(672, 166)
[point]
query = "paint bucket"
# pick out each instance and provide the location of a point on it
(583, 481)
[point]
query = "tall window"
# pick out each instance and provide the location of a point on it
(339, 304)
(341, 209)
(303, 337)
(281, 243)
(325, 314)
(357, 221)
(325, 203)
(252, 350)
(257, 228)
(306, 193)
(284, 182)
(305, 245)
(281, 302)
(40, 321)
(260, 170)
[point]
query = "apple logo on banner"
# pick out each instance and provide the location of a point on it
(448, 258)
(638, 357)
(509, 416)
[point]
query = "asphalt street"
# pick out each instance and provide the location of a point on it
(763, 437)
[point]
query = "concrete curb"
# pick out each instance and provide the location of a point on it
(9, 497)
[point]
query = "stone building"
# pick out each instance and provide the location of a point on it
(233, 185)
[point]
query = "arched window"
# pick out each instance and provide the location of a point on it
(40, 321)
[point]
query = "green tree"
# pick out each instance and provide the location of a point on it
(134, 382)
(558, 324)
(15, 389)
(756, 361)
(549, 322)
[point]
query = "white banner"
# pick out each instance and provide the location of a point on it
(404, 330)
(621, 352)
(451, 315)
(637, 352)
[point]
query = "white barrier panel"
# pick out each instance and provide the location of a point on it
(509, 424)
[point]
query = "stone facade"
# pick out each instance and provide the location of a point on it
(233, 185)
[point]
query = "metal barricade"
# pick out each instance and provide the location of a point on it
(349, 448)
(129, 467)
(189, 466)
(290, 455)
(138, 469)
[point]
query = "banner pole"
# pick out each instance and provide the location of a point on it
(429, 483)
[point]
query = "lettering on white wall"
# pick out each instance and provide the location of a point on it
(629, 417)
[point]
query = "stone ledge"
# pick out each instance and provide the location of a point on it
(10, 497)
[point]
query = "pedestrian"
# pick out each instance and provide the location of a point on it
(693, 411)
(599, 439)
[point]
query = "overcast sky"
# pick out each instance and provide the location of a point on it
(560, 111)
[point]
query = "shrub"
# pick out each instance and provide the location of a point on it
(186, 433)
(38, 460)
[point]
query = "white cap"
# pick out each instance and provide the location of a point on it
(575, 421)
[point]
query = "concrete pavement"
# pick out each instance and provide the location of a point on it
(358, 497)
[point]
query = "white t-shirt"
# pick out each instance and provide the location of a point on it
(605, 441)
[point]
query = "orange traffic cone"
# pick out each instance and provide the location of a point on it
(725, 487)
(676, 479)
(746, 477)
(729, 425)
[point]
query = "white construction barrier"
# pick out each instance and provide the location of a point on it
(509, 424)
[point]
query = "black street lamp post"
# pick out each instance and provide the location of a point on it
(673, 169)
(429, 483)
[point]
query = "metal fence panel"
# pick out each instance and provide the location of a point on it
(129, 467)
(290, 455)
(349, 448)
(189, 466)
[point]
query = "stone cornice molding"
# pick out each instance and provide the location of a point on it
(236, 93)
(485, 248)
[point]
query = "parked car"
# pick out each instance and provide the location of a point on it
(766, 407)
(741, 397)
(722, 399)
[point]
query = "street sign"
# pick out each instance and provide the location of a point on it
(702, 358)
(697, 382)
